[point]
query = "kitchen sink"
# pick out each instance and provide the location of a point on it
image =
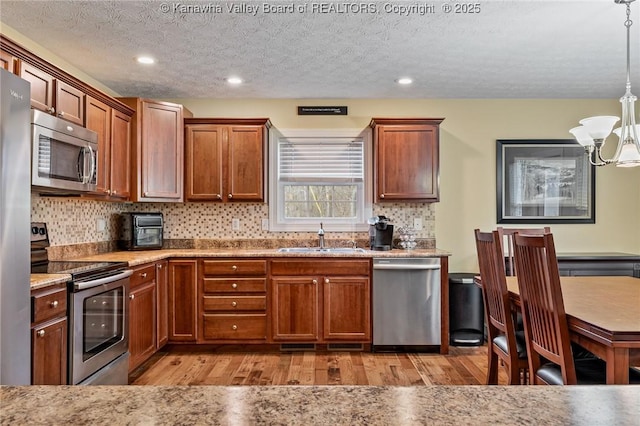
(345, 250)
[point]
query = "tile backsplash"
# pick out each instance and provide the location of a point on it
(75, 221)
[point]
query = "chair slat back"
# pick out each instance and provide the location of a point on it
(494, 284)
(506, 240)
(545, 321)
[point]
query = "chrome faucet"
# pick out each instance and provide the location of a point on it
(321, 237)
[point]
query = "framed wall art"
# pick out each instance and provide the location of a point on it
(544, 182)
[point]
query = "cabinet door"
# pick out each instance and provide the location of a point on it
(204, 158)
(162, 151)
(346, 314)
(49, 353)
(245, 163)
(98, 119)
(142, 324)
(407, 163)
(69, 103)
(120, 173)
(9, 62)
(182, 300)
(294, 313)
(162, 295)
(41, 87)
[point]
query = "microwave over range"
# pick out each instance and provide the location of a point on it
(64, 155)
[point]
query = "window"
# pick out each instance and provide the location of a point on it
(320, 176)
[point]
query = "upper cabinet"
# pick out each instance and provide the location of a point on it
(114, 136)
(9, 62)
(157, 150)
(225, 159)
(53, 96)
(406, 159)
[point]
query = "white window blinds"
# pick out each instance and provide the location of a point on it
(321, 160)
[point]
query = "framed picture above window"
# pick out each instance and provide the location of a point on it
(544, 181)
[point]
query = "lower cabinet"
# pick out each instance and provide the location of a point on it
(182, 285)
(233, 301)
(49, 336)
(142, 315)
(162, 305)
(320, 300)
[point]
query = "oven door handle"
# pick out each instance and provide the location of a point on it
(83, 285)
(404, 266)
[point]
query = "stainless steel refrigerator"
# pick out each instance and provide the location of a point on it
(15, 219)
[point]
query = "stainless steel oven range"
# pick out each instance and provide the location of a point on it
(98, 316)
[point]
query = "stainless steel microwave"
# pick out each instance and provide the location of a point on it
(64, 155)
(141, 231)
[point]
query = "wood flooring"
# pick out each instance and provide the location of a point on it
(236, 365)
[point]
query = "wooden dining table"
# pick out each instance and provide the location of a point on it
(603, 314)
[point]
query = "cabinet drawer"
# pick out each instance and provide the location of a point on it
(234, 267)
(319, 267)
(235, 303)
(231, 327)
(238, 285)
(143, 274)
(49, 305)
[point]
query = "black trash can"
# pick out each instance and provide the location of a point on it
(466, 311)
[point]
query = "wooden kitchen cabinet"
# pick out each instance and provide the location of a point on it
(157, 155)
(9, 62)
(162, 307)
(142, 315)
(114, 152)
(183, 313)
(233, 301)
(225, 159)
(320, 300)
(406, 159)
(53, 96)
(49, 336)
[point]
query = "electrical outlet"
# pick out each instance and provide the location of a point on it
(101, 225)
(417, 223)
(235, 224)
(265, 224)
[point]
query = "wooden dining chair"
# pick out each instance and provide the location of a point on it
(545, 322)
(504, 343)
(506, 239)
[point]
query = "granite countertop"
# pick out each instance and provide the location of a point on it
(320, 405)
(135, 258)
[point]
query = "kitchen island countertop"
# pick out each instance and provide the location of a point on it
(320, 405)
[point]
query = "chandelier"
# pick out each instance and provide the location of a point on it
(593, 131)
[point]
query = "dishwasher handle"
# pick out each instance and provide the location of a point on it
(405, 266)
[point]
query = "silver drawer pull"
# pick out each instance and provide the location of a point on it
(54, 304)
(40, 333)
(234, 285)
(234, 327)
(234, 304)
(234, 267)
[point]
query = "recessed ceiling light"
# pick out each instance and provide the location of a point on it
(147, 60)
(234, 80)
(404, 80)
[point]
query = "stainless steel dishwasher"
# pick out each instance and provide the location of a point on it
(406, 302)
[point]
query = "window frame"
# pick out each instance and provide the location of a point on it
(364, 207)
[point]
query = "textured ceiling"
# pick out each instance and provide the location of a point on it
(508, 49)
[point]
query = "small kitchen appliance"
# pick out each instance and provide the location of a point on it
(141, 231)
(380, 233)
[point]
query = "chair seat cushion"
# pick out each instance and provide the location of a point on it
(521, 346)
(591, 371)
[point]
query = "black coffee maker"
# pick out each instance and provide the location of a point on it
(380, 233)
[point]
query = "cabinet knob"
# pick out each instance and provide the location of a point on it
(146, 194)
(234, 267)
(61, 114)
(229, 195)
(234, 327)
(326, 280)
(219, 196)
(159, 266)
(132, 296)
(114, 192)
(381, 195)
(234, 285)
(234, 304)
(54, 304)
(51, 110)
(40, 333)
(314, 282)
(143, 275)
(107, 191)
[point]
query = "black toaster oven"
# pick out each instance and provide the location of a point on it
(141, 231)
